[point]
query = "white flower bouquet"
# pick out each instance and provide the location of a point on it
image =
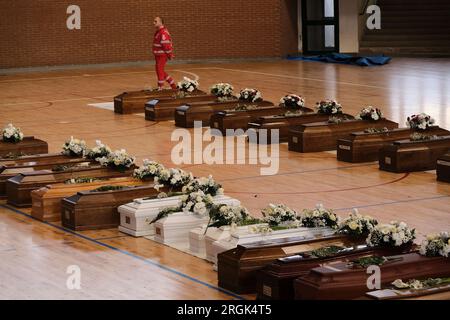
(148, 170)
(292, 101)
(206, 184)
(12, 134)
(329, 107)
(197, 202)
(394, 234)
(280, 215)
(172, 178)
(250, 95)
(74, 147)
(222, 90)
(436, 245)
(187, 85)
(420, 284)
(225, 215)
(118, 159)
(319, 217)
(420, 121)
(357, 225)
(100, 150)
(369, 113)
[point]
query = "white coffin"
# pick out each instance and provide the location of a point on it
(231, 238)
(136, 216)
(175, 228)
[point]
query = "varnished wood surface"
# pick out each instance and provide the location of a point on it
(53, 106)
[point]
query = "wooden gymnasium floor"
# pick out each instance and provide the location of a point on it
(54, 105)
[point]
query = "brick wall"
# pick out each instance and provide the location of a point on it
(34, 32)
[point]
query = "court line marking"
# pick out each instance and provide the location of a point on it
(301, 78)
(392, 202)
(196, 78)
(322, 191)
(132, 255)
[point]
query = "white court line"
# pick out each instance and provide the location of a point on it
(299, 78)
(94, 75)
(196, 78)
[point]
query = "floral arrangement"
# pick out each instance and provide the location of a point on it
(12, 134)
(292, 101)
(420, 121)
(148, 170)
(196, 202)
(336, 120)
(436, 245)
(393, 234)
(329, 107)
(279, 215)
(225, 215)
(172, 178)
(325, 252)
(81, 180)
(376, 130)
(74, 147)
(244, 107)
(369, 113)
(319, 217)
(420, 284)
(222, 90)
(250, 95)
(357, 225)
(109, 188)
(365, 262)
(99, 151)
(187, 85)
(263, 229)
(207, 185)
(417, 136)
(118, 159)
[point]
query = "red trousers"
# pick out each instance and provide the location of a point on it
(161, 61)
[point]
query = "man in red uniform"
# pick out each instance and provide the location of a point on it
(163, 50)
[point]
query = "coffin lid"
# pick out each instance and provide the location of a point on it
(285, 242)
(422, 142)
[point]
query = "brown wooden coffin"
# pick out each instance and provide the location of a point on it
(364, 147)
(409, 156)
(238, 268)
(18, 188)
(164, 108)
(323, 136)
(29, 145)
(134, 101)
(187, 114)
(42, 157)
(89, 210)
(443, 168)
(343, 281)
(46, 201)
(9, 171)
(223, 120)
(276, 280)
(283, 123)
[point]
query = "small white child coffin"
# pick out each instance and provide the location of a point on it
(175, 228)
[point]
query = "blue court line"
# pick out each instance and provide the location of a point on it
(392, 202)
(146, 261)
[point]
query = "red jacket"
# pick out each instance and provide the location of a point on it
(162, 43)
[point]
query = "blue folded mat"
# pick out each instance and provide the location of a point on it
(346, 59)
